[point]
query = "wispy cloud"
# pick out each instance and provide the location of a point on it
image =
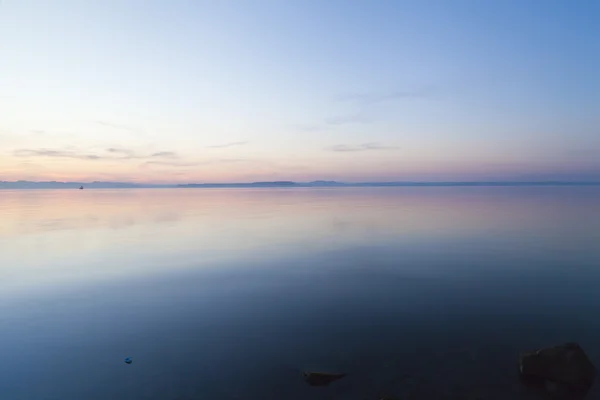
(173, 163)
(37, 131)
(194, 163)
(366, 98)
(124, 152)
(111, 153)
(348, 119)
(55, 153)
(231, 144)
(360, 147)
(165, 154)
(130, 154)
(362, 100)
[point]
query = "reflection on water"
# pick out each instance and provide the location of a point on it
(230, 293)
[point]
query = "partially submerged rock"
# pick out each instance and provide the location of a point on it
(321, 378)
(560, 370)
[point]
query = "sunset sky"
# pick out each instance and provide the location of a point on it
(235, 91)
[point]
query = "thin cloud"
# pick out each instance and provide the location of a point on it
(165, 154)
(125, 152)
(111, 153)
(366, 98)
(194, 164)
(37, 131)
(231, 144)
(55, 153)
(130, 154)
(348, 119)
(173, 163)
(361, 147)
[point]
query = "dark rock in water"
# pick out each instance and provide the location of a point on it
(562, 371)
(321, 378)
(128, 360)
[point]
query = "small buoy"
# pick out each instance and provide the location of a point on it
(128, 360)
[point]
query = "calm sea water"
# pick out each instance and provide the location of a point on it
(422, 293)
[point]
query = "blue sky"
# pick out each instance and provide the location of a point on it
(206, 91)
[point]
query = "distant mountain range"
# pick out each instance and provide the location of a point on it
(380, 184)
(265, 184)
(274, 184)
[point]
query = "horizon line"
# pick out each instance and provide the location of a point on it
(281, 183)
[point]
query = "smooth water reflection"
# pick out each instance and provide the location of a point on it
(229, 294)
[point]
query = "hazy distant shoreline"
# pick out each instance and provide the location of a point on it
(274, 184)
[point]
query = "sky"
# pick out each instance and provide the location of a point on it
(235, 91)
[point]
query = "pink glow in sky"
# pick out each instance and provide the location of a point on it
(222, 92)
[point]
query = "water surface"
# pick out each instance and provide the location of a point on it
(230, 293)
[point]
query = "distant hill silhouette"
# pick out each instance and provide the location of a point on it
(380, 184)
(252, 184)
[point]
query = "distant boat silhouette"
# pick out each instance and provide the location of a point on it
(80, 187)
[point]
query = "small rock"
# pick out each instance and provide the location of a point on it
(559, 369)
(321, 378)
(551, 387)
(128, 360)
